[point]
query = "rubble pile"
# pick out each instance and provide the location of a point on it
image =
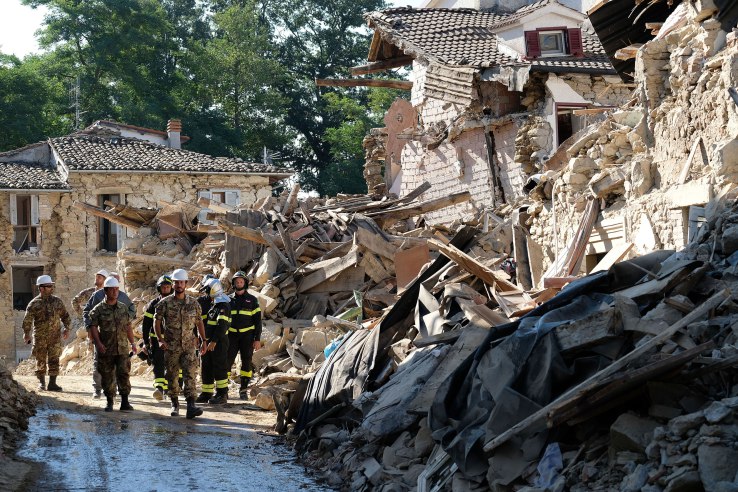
(17, 405)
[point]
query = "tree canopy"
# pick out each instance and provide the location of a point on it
(238, 73)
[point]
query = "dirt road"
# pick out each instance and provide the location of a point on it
(78, 446)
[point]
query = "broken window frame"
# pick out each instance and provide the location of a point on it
(107, 230)
(26, 222)
(232, 197)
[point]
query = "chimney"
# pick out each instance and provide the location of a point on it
(174, 130)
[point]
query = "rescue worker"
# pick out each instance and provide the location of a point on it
(244, 335)
(174, 317)
(214, 360)
(43, 316)
(97, 297)
(151, 342)
(110, 327)
(79, 301)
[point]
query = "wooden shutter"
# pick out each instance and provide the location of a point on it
(575, 42)
(233, 198)
(532, 44)
(13, 210)
(34, 211)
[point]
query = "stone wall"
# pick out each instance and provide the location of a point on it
(69, 249)
(633, 162)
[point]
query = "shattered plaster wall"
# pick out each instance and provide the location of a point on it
(633, 161)
(69, 249)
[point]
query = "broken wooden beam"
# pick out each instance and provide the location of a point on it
(291, 204)
(328, 271)
(401, 213)
(488, 276)
(215, 205)
(155, 259)
(247, 233)
(380, 66)
(390, 84)
(98, 212)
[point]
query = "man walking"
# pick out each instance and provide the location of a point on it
(78, 303)
(151, 342)
(244, 335)
(43, 316)
(110, 327)
(174, 318)
(97, 297)
(214, 360)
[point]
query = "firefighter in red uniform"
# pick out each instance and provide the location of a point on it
(245, 332)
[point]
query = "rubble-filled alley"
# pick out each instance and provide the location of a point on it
(510, 306)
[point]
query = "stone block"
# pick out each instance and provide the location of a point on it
(631, 433)
(716, 464)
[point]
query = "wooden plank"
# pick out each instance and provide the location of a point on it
(597, 378)
(374, 267)
(98, 212)
(301, 233)
(155, 259)
(698, 143)
(400, 213)
(347, 281)
(391, 84)
(280, 255)
(514, 303)
(287, 242)
(557, 282)
(254, 235)
(490, 277)
(380, 66)
(215, 205)
(613, 256)
(375, 243)
(291, 201)
(316, 278)
(408, 264)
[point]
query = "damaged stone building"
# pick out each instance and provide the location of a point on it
(494, 93)
(105, 164)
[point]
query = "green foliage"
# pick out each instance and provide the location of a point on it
(239, 73)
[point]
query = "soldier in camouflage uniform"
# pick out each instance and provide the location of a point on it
(175, 316)
(113, 336)
(84, 295)
(43, 316)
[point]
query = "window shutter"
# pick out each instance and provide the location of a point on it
(575, 42)
(233, 198)
(34, 211)
(13, 210)
(532, 44)
(202, 216)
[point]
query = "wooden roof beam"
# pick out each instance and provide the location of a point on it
(391, 84)
(380, 66)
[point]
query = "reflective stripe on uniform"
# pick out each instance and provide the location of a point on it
(246, 374)
(153, 335)
(205, 316)
(208, 388)
(225, 318)
(241, 330)
(212, 322)
(223, 383)
(149, 315)
(247, 313)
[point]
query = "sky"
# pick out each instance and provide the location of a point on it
(18, 24)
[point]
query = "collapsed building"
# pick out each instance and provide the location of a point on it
(47, 188)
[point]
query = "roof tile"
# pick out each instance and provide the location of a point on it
(28, 176)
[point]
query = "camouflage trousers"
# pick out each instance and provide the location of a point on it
(185, 360)
(115, 370)
(46, 347)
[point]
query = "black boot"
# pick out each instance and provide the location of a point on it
(243, 393)
(192, 410)
(109, 406)
(52, 384)
(41, 383)
(221, 397)
(124, 405)
(175, 406)
(203, 397)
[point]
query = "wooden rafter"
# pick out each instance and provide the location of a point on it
(380, 66)
(392, 84)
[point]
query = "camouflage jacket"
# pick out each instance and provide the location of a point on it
(44, 315)
(81, 299)
(179, 317)
(112, 322)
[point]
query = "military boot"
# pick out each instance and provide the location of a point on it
(41, 383)
(243, 393)
(124, 405)
(192, 409)
(203, 397)
(221, 397)
(109, 406)
(52, 384)
(175, 407)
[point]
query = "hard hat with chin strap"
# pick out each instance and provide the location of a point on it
(212, 287)
(163, 280)
(240, 274)
(44, 279)
(111, 282)
(180, 274)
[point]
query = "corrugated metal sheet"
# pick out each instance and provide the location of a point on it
(620, 23)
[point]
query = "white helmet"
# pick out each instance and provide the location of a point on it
(212, 287)
(111, 282)
(103, 272)
(43, 280)
(180, 274)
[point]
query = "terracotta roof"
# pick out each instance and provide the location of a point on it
(468, 37)
(97, 153)
(27, 176)
(140, 129)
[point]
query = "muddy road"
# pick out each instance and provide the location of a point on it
(74, 445)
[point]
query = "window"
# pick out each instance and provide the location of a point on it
(228, 197)
(24, 285)
(109, 234)
(25, 219)
(567, 123)
(553, 41)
